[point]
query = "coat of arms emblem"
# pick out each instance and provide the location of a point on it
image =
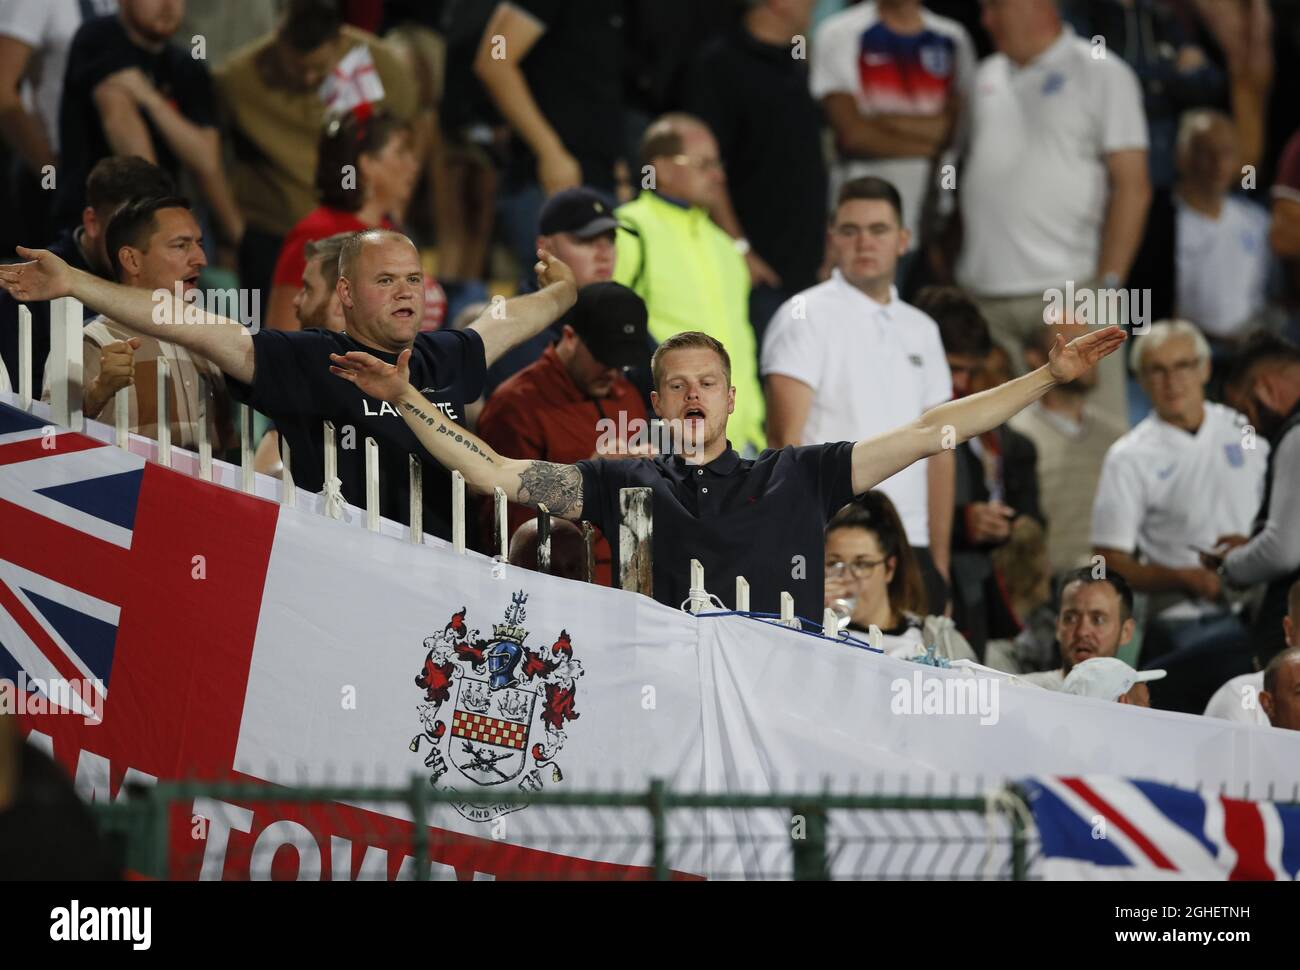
(500, 691)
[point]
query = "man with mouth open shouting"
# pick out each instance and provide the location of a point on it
(762, 518)
(286, 374)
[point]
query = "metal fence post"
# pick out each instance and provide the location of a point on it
(420, 835)
(657, 803)
(809, 852)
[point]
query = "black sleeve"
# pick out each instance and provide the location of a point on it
(459, 353)
(284, 366)
(99, 48)
(600, 487)
(829, 469)
(1020, 475)
(195, 98)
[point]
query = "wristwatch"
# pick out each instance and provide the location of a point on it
(742, 246)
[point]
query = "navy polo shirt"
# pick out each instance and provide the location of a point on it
(762, 518)
(293, 386)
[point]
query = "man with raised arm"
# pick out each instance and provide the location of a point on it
(762, 518)
(286, 374)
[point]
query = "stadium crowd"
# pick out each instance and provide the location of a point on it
(878, 209)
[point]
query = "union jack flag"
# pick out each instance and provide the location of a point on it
(1159, 831)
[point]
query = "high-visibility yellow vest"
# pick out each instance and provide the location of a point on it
(692, 277)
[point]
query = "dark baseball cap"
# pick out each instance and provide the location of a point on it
(581, 211)
(612, 321)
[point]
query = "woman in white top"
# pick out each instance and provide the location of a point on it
(870, 565)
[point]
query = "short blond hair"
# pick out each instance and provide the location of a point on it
(688, 340)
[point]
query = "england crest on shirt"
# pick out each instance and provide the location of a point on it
(936, 59)
(1236, 457)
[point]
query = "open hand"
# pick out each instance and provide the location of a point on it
(1066, 362)
(385, 382)
(43, 277)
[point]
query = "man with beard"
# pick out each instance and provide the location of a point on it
(1095, 620)
(316, 304)
(1264, 385)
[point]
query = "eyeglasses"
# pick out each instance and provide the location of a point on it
(1179, 368)
(697, 161)
(858, 568)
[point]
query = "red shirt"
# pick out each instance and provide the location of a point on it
(323, 222)
(540, 413)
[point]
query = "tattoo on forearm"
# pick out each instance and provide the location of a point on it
(452, 432)
(558, 487)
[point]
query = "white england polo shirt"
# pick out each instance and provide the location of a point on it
(1034, 182)
(1163, 490)
(1222, 266)
(873, 367)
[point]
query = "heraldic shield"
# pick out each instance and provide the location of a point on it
(491, 719)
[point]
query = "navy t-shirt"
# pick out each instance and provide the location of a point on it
(763, 518)
(293, 386)
(100, 48)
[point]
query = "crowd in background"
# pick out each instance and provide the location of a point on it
(875, 206)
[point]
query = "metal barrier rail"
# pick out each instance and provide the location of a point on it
(143, 817)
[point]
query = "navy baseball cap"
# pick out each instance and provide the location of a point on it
(581, 211)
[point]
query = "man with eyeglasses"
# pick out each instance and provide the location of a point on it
(1187, 474)
(690, 273)
(848, 359)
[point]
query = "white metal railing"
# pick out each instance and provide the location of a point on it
(636, 526)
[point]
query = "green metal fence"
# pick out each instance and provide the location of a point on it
(657, 833)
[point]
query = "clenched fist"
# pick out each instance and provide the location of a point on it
(116, 371)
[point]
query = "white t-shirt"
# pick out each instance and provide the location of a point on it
(1238, 700)
(872, 367)
(1222, 266)
(47, 27)
(1046, 679)
(4, 377)
(1163, 490)
(855, 53)
(1034, 182)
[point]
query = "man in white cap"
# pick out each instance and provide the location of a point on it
(1111, 679)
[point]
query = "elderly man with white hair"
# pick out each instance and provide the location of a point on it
(1189, 472)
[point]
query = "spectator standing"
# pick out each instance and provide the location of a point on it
(1264, 385)
(554, 69)
(154, 245)
(316, 304)
(130, 91)
(111, 182)
(996, 475)
(1054, 187)
(1187, 474)
(751, 87)
(561, 407)
(35, 36)
(1284, 224)
(823, 343)
(273, 96)
(365, 172)
(1070, 438)
(286, 374)
(1221, 255)
(892, 77)
(1095, 619)
(690, 273)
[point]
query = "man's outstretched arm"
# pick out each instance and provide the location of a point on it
(948, 425)
(558, 487)
(146, 313)
(506, 325)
